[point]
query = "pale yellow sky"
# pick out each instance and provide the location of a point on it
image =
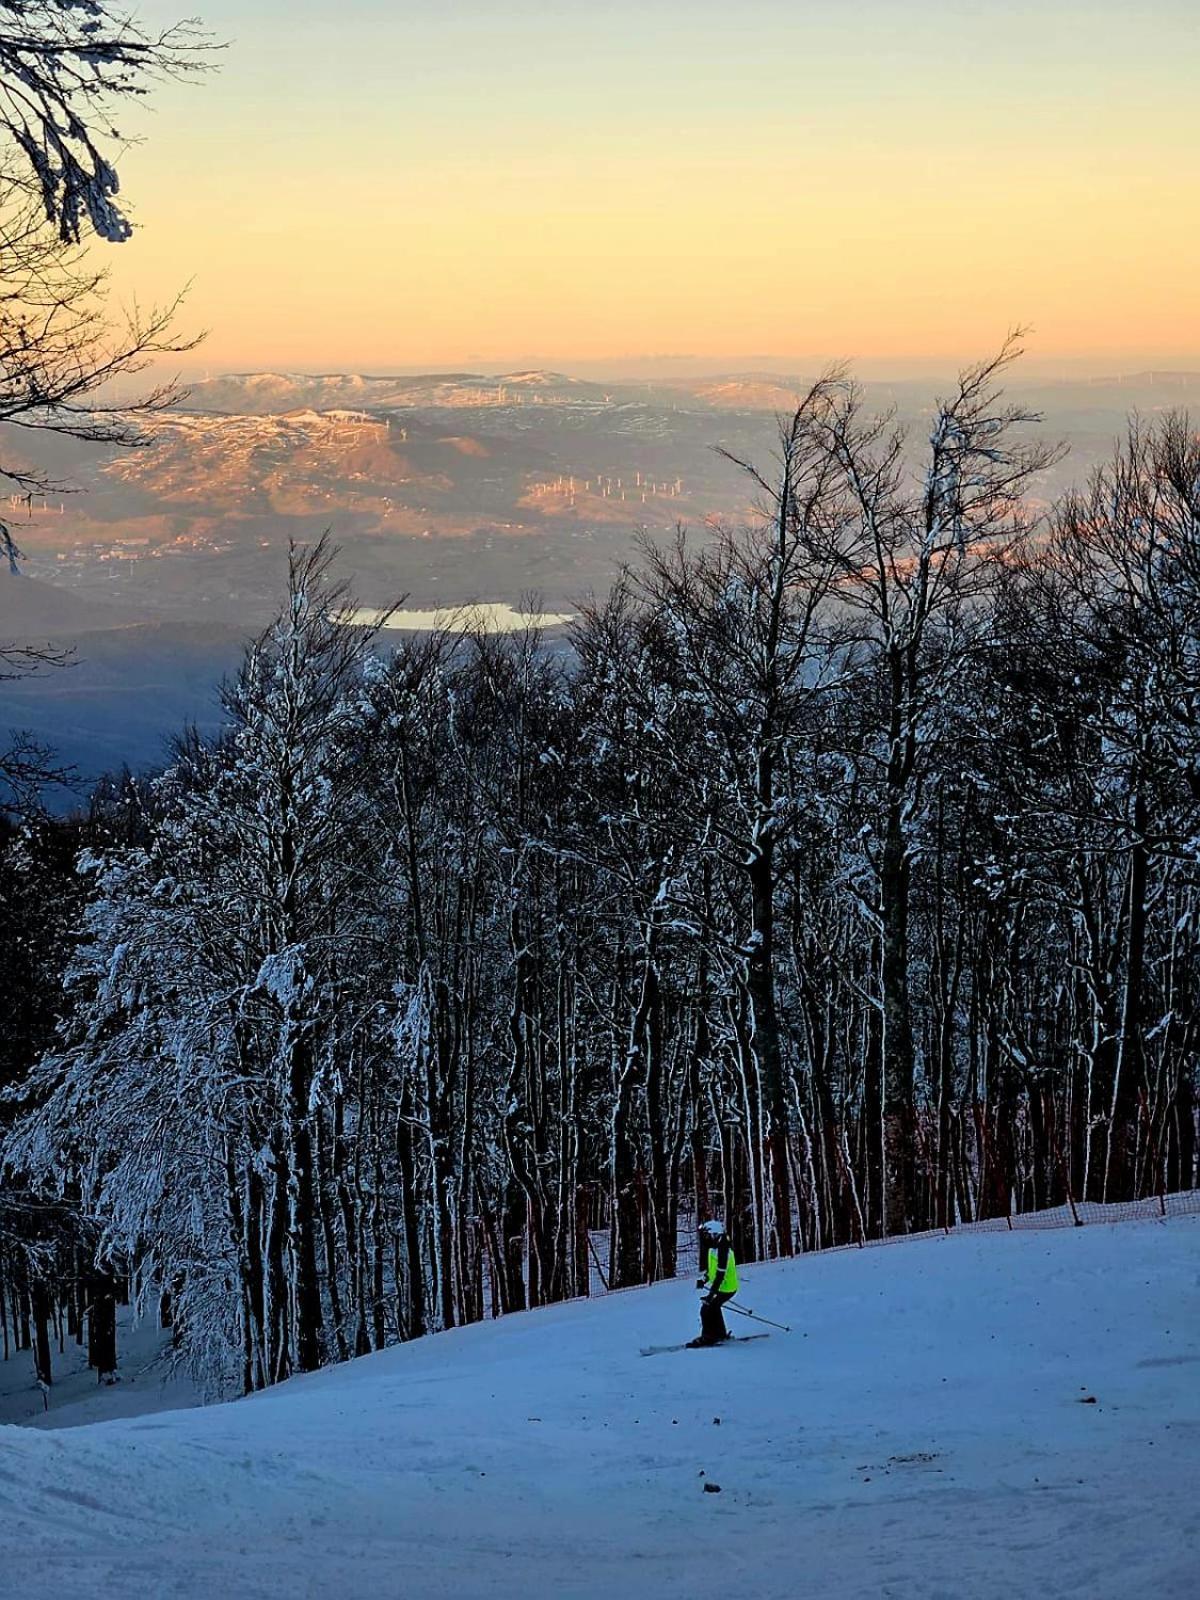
(388, 185)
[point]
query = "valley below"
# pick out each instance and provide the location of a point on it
(526, 491)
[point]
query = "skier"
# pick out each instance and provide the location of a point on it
(719, 1278)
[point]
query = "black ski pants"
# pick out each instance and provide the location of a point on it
(712, 1323)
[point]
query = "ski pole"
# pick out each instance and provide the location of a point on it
(744, 1311)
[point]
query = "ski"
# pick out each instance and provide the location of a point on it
(667, 1349)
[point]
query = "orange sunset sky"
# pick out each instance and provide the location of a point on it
(382, 186)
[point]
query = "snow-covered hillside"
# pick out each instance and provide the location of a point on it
(273, 392)
(990, 1415)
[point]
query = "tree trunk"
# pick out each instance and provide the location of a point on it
(898, 1052)
(40, 1300)
(1129, 1084)
(102, 1325)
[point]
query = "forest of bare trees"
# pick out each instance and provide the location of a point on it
(841, 878)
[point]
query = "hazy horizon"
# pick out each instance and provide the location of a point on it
(1034, 367)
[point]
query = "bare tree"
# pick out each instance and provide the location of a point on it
(66, 67)
(746, 614)
(913, 562)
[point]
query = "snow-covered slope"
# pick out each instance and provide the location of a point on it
(993, 1415)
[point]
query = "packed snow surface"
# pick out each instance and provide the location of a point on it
(998, 1415)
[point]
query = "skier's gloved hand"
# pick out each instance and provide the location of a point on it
(700, 1282)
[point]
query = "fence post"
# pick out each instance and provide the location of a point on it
(596, 1259)
(1062, 1161)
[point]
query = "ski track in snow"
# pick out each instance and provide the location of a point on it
(922, 1432)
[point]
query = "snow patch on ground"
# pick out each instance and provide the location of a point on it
(147, 1382)
(959, 1418)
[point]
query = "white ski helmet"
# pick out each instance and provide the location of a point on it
(712, 1229)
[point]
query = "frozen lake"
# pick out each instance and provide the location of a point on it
(489, 617)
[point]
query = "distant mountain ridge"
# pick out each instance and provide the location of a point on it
(274, 393)
(277, 393)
